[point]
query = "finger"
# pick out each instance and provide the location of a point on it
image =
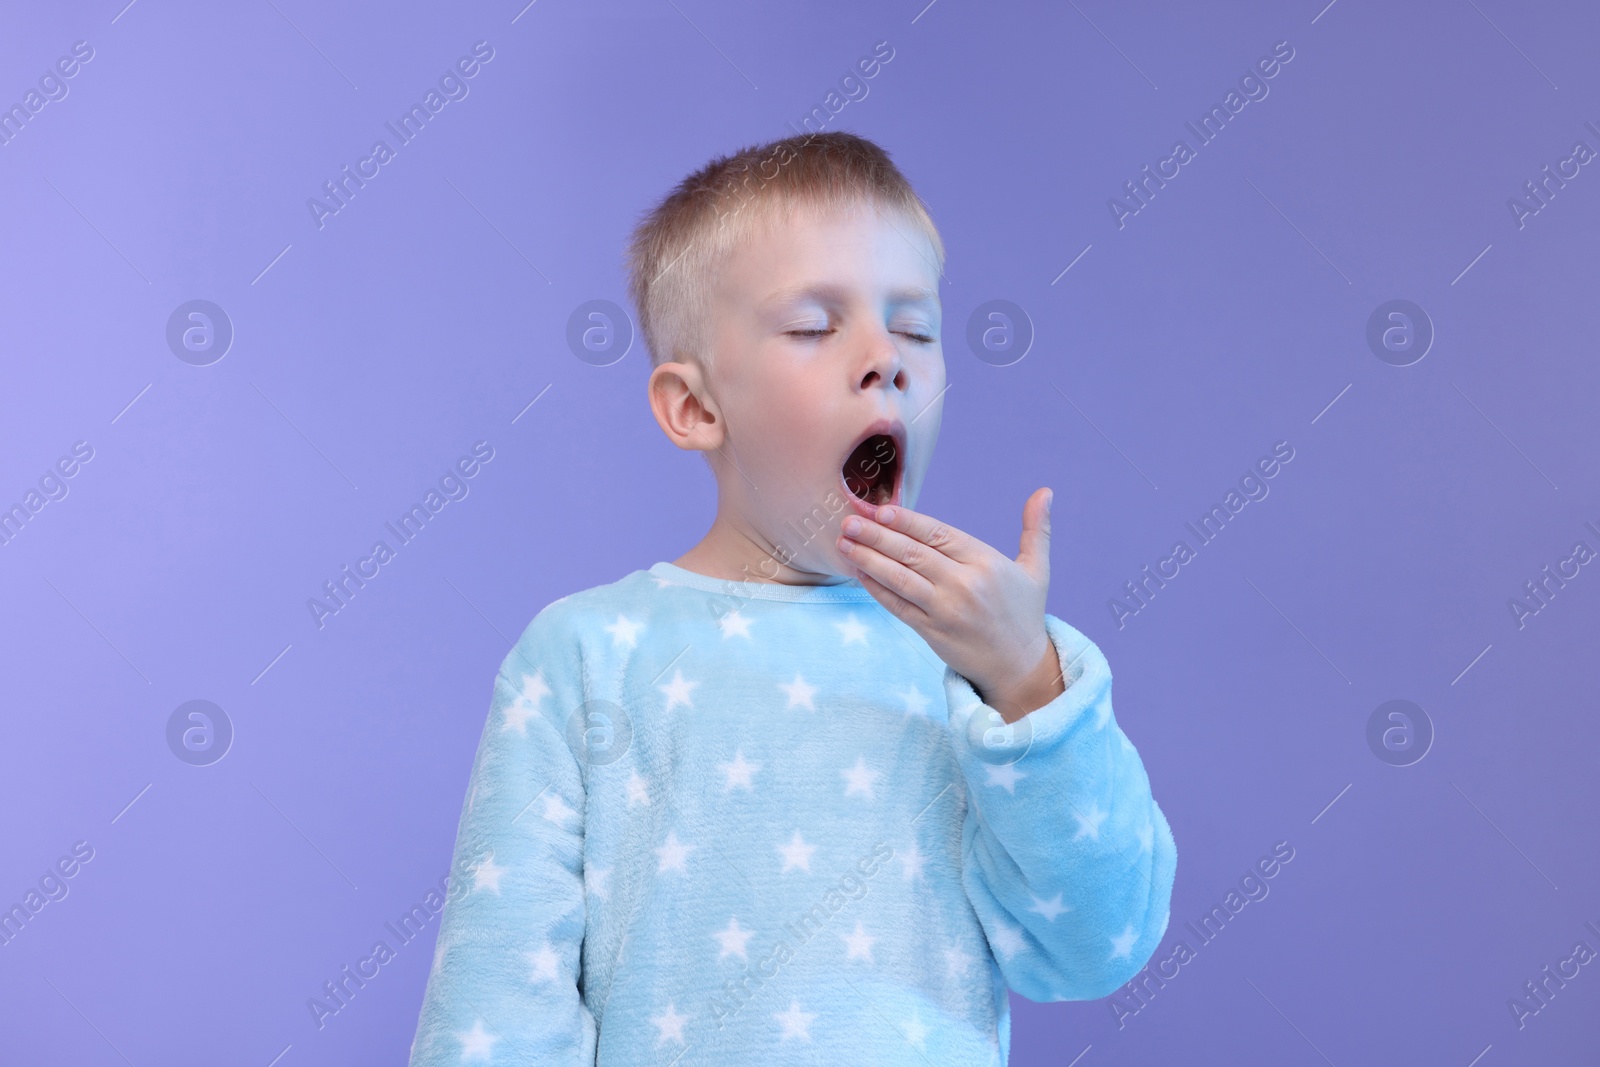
(890, 573)
(929, 562)
(893, 602)
(1035, 555)
(959, 546)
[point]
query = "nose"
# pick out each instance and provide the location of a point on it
(884, 365)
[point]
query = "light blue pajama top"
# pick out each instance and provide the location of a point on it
(718, 822)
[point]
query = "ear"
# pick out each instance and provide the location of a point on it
(683, 407)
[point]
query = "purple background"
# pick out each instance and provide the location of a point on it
(1229, 314)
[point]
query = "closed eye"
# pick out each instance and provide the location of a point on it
(920, 338)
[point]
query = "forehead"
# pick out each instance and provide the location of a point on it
(832, 255)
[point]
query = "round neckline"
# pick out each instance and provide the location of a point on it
(848, 592)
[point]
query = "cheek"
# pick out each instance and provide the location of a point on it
(808, 444)
(929, 413)
(782, 436)
(793, 416)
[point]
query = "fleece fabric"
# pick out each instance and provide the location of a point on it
(719, 822)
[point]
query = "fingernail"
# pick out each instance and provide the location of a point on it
(1050, 498)
(885, 515)
(852, 525)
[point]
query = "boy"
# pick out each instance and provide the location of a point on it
(824, 787)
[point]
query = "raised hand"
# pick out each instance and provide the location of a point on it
(980, 611)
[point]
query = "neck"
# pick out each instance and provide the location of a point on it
(734, 549)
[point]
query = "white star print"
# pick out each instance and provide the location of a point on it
(1147, 834)
(556, 810)
(487, 875)
(1004, 776)
(544, 962)
(1102, 713)
(517, 713)
(957, 962)
(859, 944)
(912, 859)
(1089, 825)
(916, 703)
(800, 693)
(851, 631)
(916, 1031)
(1008, 939)
(638, 790)
(477, 1043)
(677, 691)
(739, 772)
(527, 704)
(1049, 908)
(796, 1023)
(669, 1025)
(861, 778)
(733, 939)
(624, 632)
(672, 854)
(734, 623)
(1122, 945)
(796, 854)
(1127, 746)
(534, 690)
(596, 882)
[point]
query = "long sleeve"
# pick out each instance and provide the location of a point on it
(504, 987)
(1067, 859)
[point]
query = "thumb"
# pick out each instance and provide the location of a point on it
(1035, 554)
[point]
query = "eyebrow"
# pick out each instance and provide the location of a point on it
(915, 294)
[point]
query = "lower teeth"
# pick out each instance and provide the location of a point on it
(871, 479)
(871, 492)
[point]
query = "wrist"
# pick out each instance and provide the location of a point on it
(1027, 691)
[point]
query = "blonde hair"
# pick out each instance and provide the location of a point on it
(679, 246)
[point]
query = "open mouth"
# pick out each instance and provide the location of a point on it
(872, 470)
